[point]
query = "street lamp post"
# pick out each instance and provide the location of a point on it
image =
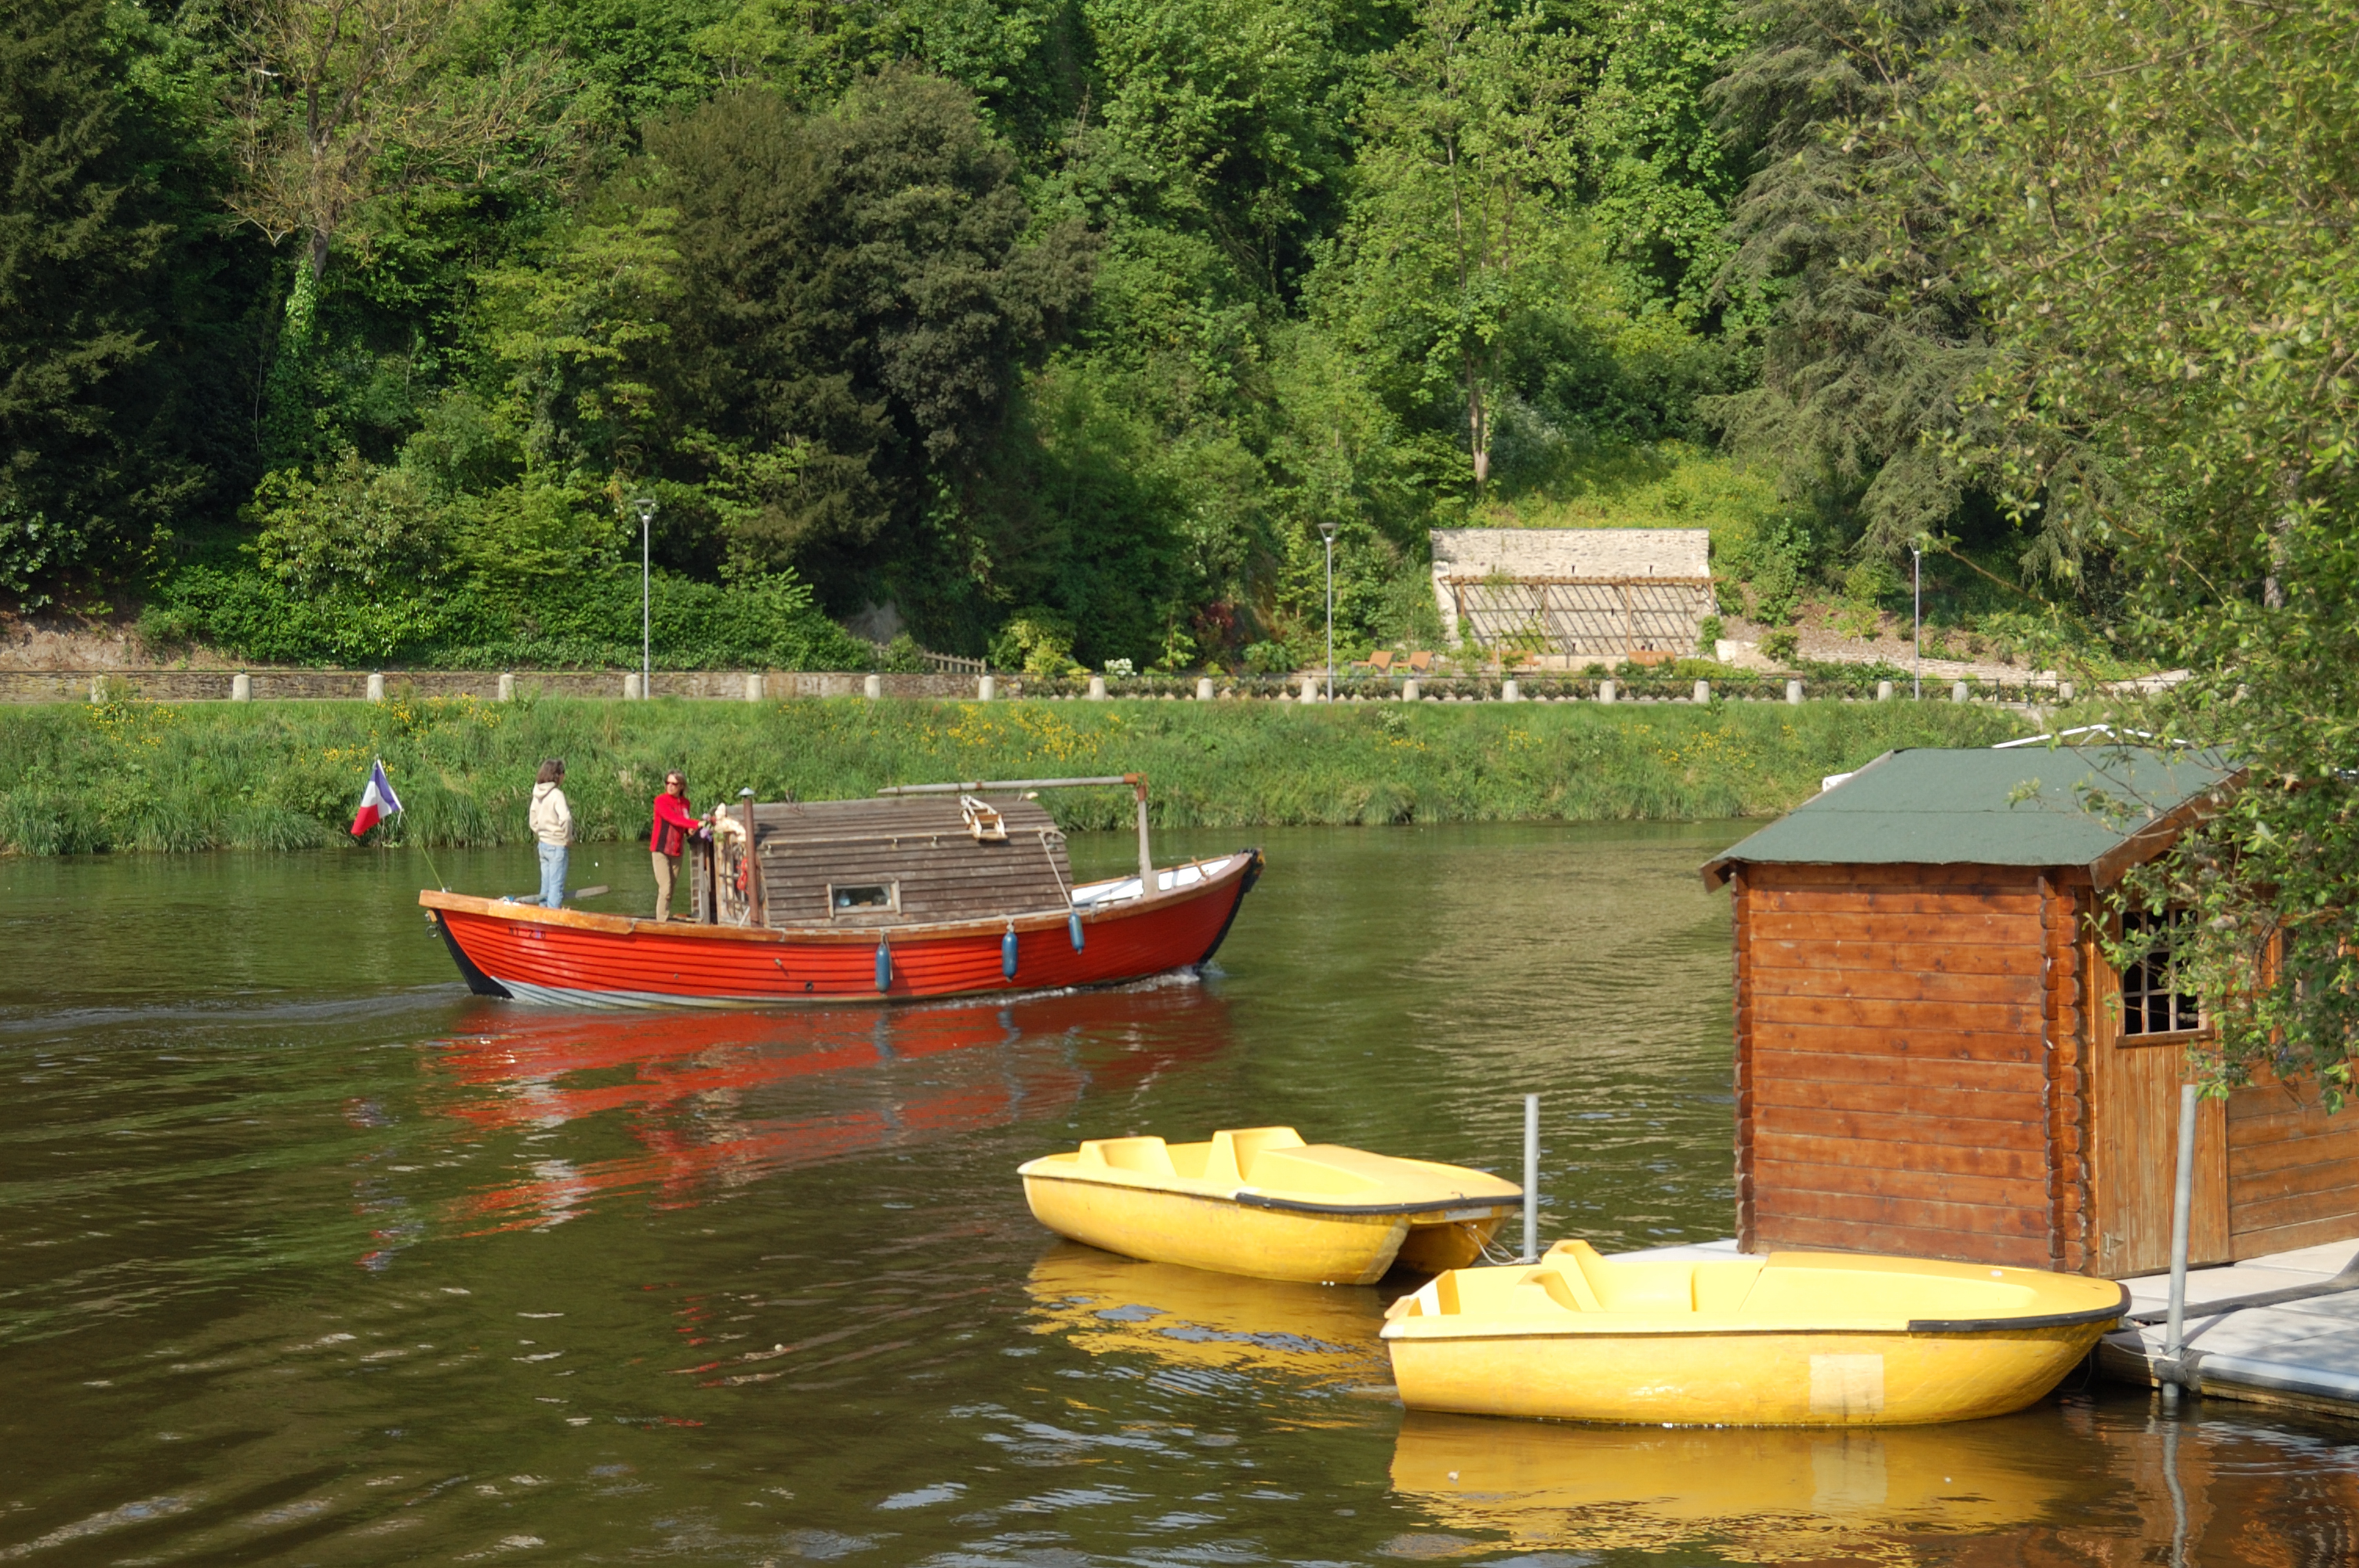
(1916, 593)
(646, 507)
(1327, 530)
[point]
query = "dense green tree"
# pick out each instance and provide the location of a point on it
(1876, 333)
(1082, 313)
(1658, 170)
(95, 437)
(2165, 197)
(862, 281)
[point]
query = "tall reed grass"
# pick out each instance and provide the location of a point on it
(137, 775)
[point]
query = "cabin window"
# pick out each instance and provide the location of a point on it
(864, 898)
(2152, 1002)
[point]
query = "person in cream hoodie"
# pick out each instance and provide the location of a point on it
(552, 825)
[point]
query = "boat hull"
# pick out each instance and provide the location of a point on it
(1230, 1238)
(1742, 1378)
(570, 957)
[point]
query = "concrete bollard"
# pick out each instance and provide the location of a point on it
(986, 688)
(1309, 688)
(1702, 692)
(241, 687)
(376, 685)
(1794, 691)
(1097, 688)
(631, 686)
(2064, 691)
(1410, 692)
(754, 686)
(1510, 692)
(1204, 688)
(872, 686)
(98, 688)
(1884, 691)
(1605, 691)
(1957, 692)
(508, 687)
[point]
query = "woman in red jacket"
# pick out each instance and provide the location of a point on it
(675, 825)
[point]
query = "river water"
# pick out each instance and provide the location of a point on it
(306, 1256)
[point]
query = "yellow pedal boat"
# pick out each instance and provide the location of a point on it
(1791, 1339)
(1260, 1201)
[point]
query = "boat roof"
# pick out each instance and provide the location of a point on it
(2100, 809)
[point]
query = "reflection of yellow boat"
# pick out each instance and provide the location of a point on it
(1792, 1339)
(1768, 1495)
(1192, 1320)
(1260, 1201)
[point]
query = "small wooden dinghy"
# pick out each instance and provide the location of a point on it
(1260, 1201)
(1791, 1339)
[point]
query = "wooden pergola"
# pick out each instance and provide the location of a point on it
(1600, 616)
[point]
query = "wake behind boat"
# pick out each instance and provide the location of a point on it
(926, 890)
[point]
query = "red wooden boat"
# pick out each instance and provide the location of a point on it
(928, 891)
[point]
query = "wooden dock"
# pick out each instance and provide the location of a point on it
(2301, 1354)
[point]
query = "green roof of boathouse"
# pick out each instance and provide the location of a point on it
(2018, 805)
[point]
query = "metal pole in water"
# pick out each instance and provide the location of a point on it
(2182, 1202)
(1531, 1179)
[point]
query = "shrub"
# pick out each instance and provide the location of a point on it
(1709, 631)
(1036, 640)
(588, 621)
(1780, 645)
(1778, 560)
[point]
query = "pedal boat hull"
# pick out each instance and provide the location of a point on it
(1792, 1339)
(1259, 1201)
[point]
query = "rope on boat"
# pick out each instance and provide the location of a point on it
(1072, 915)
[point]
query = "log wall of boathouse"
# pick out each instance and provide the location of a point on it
(1909, 1064)
(2293, 1170)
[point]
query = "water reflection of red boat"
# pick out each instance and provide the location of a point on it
(830, 901)
(696, 1086)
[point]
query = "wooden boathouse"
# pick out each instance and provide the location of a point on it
(1934, 1056)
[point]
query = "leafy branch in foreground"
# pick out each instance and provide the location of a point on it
(2164, 200)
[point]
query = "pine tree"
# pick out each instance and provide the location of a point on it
(1875, 336)
(80, 249)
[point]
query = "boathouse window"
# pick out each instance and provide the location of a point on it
(2152, 1002)
(863, 898)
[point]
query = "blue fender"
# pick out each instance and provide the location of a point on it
(1007, 955)
(884, 965)
(1073, 928)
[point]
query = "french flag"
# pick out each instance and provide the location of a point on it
(377, 802)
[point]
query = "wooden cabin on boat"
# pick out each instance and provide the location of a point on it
(1935, 1057)
(886, 861)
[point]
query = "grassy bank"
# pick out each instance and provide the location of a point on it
(134, 775)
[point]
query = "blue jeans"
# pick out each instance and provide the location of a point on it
(552, 875)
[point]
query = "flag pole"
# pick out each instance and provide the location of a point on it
(422, 848)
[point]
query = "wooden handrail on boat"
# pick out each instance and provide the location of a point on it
(972, 784)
